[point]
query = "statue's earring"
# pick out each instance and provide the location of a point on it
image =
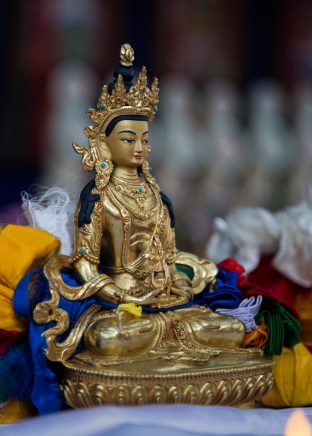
(146, 170)
(146, 165)
(104, 165)
(103, 170)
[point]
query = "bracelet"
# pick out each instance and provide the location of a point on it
(122, 296)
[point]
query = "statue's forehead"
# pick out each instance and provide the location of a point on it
(136, 126)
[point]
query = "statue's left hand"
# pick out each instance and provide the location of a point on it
(184, 295)
(182, 287)
(181, 280)
(148, 298)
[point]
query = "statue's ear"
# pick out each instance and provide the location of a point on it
(103, 150)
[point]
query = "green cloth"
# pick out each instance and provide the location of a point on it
(283, 329)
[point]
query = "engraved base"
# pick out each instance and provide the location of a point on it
(196, 384)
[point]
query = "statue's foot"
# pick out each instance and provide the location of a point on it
(119, 334)
(208, 329)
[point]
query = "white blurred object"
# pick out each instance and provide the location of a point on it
(179, 124)
(179, 147)
(52, 211)
(221, 147)
(272, 142)
(222, 129)
(294, 256)
(244, 234)
(70, 87)
(303, 118)
(248, 233)
(274, 148)
(302, 176)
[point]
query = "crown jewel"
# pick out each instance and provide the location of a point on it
(139, 99)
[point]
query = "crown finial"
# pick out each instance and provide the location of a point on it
(126, 55)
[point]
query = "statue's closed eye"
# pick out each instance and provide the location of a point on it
(127, 140)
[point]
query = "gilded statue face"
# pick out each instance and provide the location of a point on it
(128, 143)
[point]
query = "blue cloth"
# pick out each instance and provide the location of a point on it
(33, 288)
(226, 294)
(16, 375)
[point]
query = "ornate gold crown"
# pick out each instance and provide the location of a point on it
(138, 100)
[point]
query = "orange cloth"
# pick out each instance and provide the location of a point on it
(14, 411)
(303, 304)
(256, 338)
(8, 319)
(292, 379)
(21, 249)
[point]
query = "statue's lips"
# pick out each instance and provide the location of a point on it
(138, 156)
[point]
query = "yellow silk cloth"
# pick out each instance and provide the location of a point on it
(14, 411)
(21, 249)
(292, 379)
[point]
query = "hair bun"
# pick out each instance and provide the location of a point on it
(125, 68)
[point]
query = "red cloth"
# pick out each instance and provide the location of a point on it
(264, 281)
(9, 338)
(309, 347)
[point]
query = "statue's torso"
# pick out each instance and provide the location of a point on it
(137, 242)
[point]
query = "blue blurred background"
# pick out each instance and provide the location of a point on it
(235, 121)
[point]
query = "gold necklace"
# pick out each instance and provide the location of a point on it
(137, 191)
(135, 211)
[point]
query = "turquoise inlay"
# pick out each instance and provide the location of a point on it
(140, 189)
(103, 165)
(102, 106)
(82, 250)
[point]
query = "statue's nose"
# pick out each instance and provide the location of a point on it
(138, 146)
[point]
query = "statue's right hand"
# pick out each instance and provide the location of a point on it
(110, 292)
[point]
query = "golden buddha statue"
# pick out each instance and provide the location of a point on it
(125, 258)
